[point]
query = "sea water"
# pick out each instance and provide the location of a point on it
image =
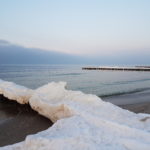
(100, 83)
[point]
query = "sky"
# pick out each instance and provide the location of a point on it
(78, 27)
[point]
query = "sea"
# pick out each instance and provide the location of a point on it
(105, 84)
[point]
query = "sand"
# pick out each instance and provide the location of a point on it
(138, 108)
(17, 121)
(138, 102)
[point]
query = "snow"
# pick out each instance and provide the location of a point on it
(81, 121)
(15, 92)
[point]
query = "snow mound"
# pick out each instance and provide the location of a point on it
(83, 121)
(48, 101)
(15, 92)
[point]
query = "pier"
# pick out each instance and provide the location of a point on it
(136, 68)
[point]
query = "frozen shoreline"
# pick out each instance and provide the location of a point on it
(81, 121)
(33, 118)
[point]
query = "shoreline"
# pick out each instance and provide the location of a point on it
(17, 121)
(138, 102)
(129, 98)
(138, 107)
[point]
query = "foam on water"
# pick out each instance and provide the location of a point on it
(81, 121)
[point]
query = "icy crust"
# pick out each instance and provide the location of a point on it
(51, 101)
(84, 122)
(15, 92)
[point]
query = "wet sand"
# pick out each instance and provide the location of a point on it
(138, 102)
(131, 98)
(138, 108)
(17, 121)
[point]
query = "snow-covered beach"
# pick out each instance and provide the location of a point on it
(81, 121)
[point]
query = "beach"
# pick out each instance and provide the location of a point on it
(138, 108)
(75, 75)
(18, 120)
(138, 102)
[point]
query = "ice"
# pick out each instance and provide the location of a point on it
(81, 121)
(15, 92)
(48, 101)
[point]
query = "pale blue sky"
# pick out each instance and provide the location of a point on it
(91, 27)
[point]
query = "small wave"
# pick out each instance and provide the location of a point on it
(68, 74)
(126, 82)
(124, 93)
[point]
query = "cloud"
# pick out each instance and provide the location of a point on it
(4, 42)
(16, 54)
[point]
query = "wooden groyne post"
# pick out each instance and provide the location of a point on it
(118, 68)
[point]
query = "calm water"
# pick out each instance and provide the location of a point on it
(101, 83)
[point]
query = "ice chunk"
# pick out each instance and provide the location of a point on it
(48, 101)
(15, 92)
(82, 121)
